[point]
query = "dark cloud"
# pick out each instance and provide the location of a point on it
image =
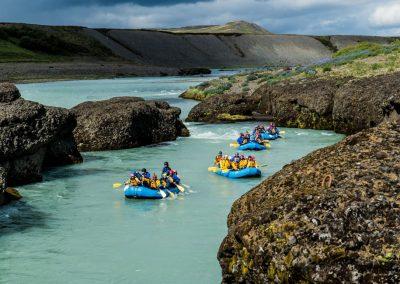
(279, 16)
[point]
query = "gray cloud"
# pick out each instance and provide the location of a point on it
(279, 16)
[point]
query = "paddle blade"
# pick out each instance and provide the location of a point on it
(212, 169)
(117, 185)
(282, 132)
(235, 145)
(181, 188)
(163, 194)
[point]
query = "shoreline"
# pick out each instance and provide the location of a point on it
(33, 72)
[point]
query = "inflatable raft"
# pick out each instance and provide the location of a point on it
(244, 173)
(252, 146)
(142, 192)
(269, 136)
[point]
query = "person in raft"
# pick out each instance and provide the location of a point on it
(237, 162)
(272, 129)
(166, 168)
(174, 178)
(146, 177)
(218, 158)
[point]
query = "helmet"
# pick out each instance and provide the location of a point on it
(144, 170)
(166, 164)
(220, 153)
(171, 172)
(237, 155)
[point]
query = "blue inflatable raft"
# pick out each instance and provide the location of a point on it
(142, 192)
(252, 146)
(244, 173)
(269, 136)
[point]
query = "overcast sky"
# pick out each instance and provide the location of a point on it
(373, 17)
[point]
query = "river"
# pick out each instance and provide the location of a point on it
(75, 228)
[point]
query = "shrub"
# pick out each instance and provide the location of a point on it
(376, 66)
(251, 77)
(327, 68)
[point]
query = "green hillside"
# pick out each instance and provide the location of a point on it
(32, 43)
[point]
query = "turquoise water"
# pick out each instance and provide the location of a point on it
(75, 228)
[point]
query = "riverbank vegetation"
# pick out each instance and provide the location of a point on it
(362, 60)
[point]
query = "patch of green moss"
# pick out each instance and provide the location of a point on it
(232, 117)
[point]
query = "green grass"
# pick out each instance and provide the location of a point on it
(10, 52)
(21, 42)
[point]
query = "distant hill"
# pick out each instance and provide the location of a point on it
(235, 27)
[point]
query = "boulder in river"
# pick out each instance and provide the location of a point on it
(225, 107)
(330, 217)
(32, 137)
(126, 122)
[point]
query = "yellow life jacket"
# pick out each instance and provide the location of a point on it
(133, 182)
(153, 184)
(251, 164)
(225, 165)
(235, 166)
(243, 164)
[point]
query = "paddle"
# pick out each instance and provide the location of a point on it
(212, 169)
(163, 194)
(170, 193)
(117, 185)
(185, 185)
(263, 166)
(181, 188)
(235, 145)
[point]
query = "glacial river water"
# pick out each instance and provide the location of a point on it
(75, 228)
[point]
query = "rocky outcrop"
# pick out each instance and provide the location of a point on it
(32, 137)
(330, 217)
(218, 107)
(345, 105)
(126, 122)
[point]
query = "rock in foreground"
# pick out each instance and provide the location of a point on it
(32, 137)
(330, 217)
(126, 122)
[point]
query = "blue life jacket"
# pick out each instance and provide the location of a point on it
(146, 175)
(166, 169)
(176, 179)
(240, 140)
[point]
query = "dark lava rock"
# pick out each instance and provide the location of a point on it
(32, 137)
(306, 103)
(366, 102)
(330, 217)
(8, 93)
(193, 71)
(220, 107)
(345, 105)
(126, 122)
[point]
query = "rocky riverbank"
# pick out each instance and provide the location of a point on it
(332, 216)
(345, 105)
(32, 137)
(126, 122)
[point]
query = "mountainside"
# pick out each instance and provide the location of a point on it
(129, 52)
(235, 27)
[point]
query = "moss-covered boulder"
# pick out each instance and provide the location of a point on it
(330, 217)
